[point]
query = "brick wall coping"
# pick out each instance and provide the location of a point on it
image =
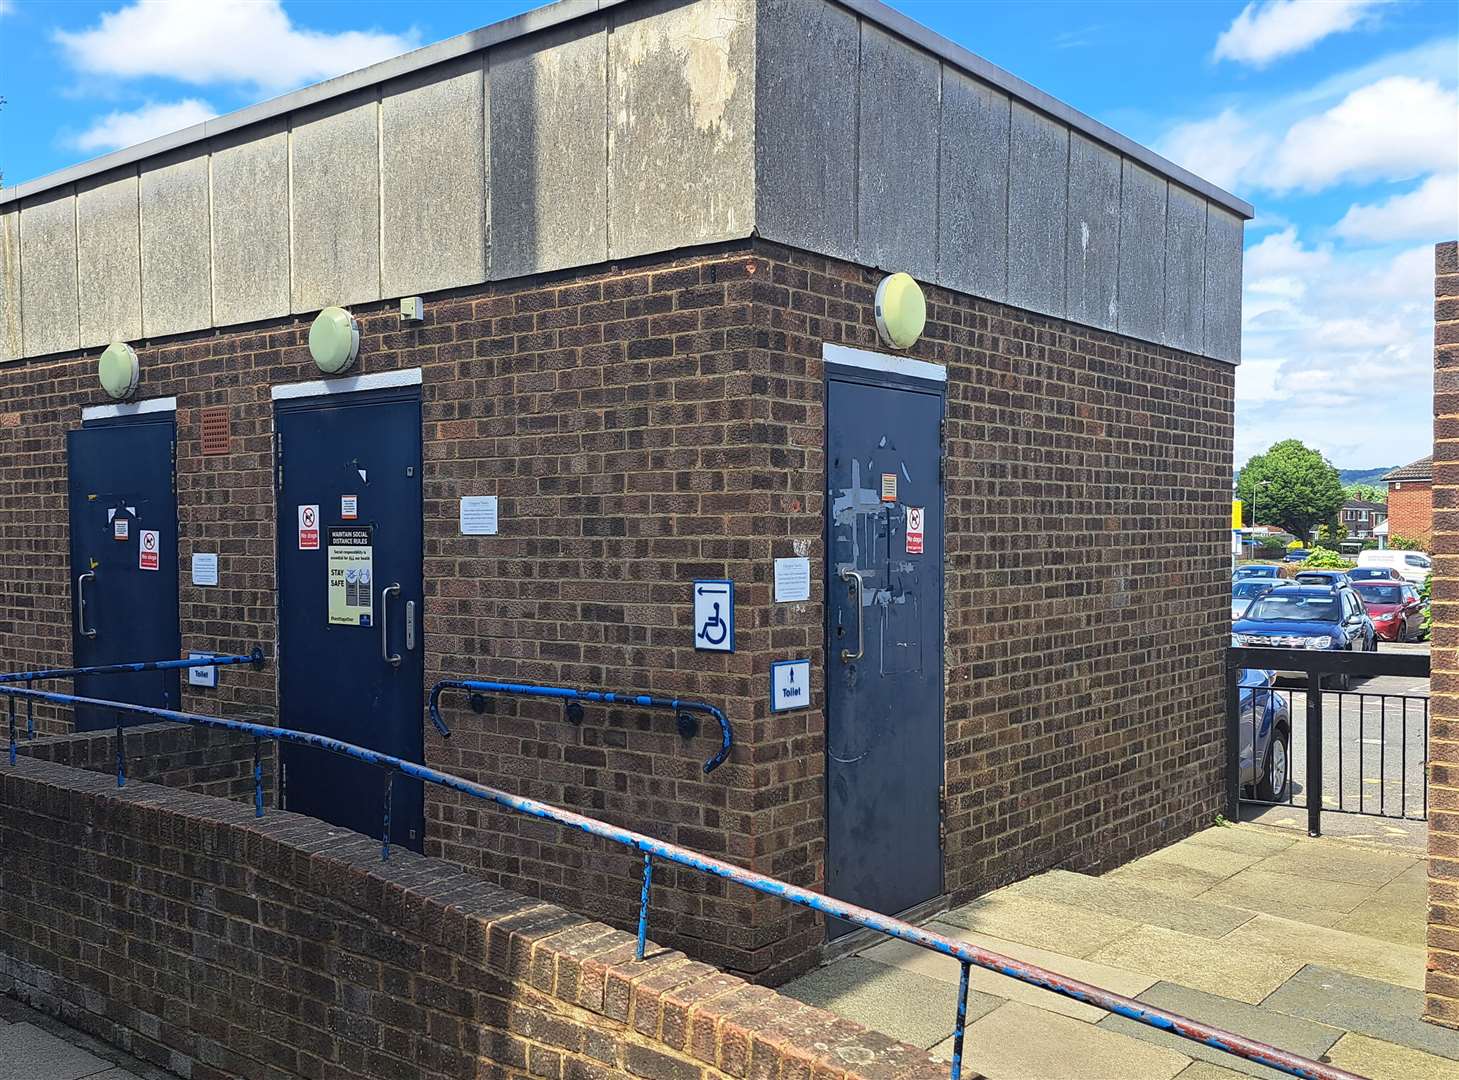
(713, 1023)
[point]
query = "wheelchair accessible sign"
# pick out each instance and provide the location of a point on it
(714, 616)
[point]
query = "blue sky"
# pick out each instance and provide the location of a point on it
(1337, 119)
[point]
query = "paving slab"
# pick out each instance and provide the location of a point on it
(1131, 901)
(1213, 861)
(1373, 1057)
(1397, 913)
(1245, 839)
(1268, 935)
(1165, 876)
(28, 1053)
(1035, 921)
(1020, 1042)
(1370, 1007)
(1296, 1034)
(1340, 862)
(909, 957)
(1276, 890)
(906, 1005)
(1244, 974)
(1204, 1070)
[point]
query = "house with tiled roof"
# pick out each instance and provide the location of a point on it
(1411, 500)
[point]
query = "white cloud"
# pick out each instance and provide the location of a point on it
(1267, 30)
(252, 42)
(1430, 211)
(118, 129)
(1337, 350)
(1223, 149)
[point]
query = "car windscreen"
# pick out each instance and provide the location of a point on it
(1382, 594)
(1369, 573)
(1280, 608)
(1245, 590)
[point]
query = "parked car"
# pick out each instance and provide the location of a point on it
(1256, 570)
(1373, 573)
(1334, 578)
(1264, 724)
(1244, 592)
(1395, 608)
(1413, 565)
(1307, 617)
(1297, 555)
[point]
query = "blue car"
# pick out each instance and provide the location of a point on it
(1244, 591)
(1323, 577)
(1264, 726)
(1269, 571)
(1308, 617)
(1297, 555)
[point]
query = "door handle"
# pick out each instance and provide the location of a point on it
(846, 654)
(393, 659)
(81, 605)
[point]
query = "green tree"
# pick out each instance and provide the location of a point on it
(1367, 492)
(1291, 485)
(1330, 536)
(1405, 543)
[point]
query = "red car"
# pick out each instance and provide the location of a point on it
(1394, 607)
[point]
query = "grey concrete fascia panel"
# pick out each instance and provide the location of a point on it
(433, 214)
(1038, 201)
(528, 22)
(972, 248)
(1142, 252)
(805, 156)
(334, 216)
(1222, 338)
(549, 149)
(250, 201)
(1185, 270)
(10, 343)
(894, 21)
(177, 256)
(48, 307)
(896, 191)
(109, 260)
(1093, 243)
(681, 125)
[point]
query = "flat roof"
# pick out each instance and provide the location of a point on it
(567, 10)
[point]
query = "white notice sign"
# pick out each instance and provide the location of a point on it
(792, 580)
(205, 568)
(790, 685)
(478, 515)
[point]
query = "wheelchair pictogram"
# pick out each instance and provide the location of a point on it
(714, 616)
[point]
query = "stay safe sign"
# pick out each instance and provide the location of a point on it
(309, 528)
(149, 555)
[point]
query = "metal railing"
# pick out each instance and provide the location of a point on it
(686, 711)
(1410, 714)
(967, 954)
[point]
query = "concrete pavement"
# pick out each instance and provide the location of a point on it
(34, 1046)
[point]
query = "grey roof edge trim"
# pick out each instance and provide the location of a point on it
(923, 37)
(528, 22)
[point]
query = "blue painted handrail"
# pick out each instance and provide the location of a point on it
(966, 953)
(680, 706)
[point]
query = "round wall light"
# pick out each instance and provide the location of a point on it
(334, 340)
(118, 370)
(901, 311)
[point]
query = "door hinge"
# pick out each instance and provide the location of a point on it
(942, 817)
(278, 462)
(942, 449)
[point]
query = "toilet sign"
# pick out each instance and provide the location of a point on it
(148, 554)
(915, 517)
(790, 685)
(309, 528)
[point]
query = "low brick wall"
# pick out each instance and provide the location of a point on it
(202, 760)
(191, 934)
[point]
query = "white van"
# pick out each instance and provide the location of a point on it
(1413, 565)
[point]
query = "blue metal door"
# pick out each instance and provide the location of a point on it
(350, 589)
(884, 728)
(123, 599)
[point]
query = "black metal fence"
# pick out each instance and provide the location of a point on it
(1350, 748)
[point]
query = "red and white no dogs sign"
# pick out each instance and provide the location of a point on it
(309, 528)
(915, 516)
(148, 544)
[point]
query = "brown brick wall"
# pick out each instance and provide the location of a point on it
(205, 761)
(1411, 510)
(190, 934)
(648, 424)
(1442, 983)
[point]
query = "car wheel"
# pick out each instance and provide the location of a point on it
(1272, 787)
(1344, 681)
